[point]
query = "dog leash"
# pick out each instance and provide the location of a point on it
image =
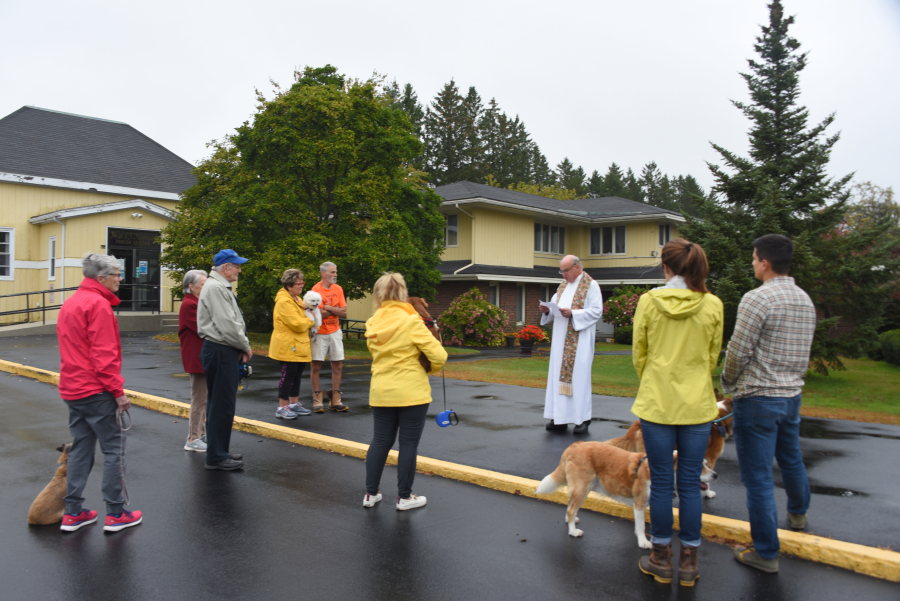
(719, 427)
(121, 421)
(445, 418)
(640, 461)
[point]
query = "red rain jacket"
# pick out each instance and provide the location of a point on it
(89, 347)
(191, 343)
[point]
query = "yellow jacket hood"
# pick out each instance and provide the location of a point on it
(676, 303)
(382, 326)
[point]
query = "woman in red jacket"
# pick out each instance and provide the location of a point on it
(191, 344)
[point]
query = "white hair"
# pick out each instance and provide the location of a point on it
(94, 265)
(191, 278)
(326, 266)
(220, 268)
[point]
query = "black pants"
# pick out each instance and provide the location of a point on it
(291, 373)
(410, 421)
(221, 365)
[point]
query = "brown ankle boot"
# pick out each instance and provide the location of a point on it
(658, 564)
(318, 405)
(688, 573)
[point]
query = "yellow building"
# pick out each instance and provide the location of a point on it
(70, 185)
(509, 244)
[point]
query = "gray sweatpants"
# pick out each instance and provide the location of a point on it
(91, 420)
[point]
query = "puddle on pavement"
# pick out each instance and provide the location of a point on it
(485, 397)
(819, 429)
(833, 491)
(493, 426)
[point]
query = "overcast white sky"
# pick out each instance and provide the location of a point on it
(597, 81)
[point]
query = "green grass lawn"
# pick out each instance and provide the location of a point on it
(353, 349)
(867, 391)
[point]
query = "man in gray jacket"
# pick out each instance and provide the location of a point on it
(220, 324)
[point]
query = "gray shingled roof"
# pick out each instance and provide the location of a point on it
(610, 206)
(614, 274)
(45, 143)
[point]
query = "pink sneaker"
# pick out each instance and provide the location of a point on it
(128, 518)
(71, 523)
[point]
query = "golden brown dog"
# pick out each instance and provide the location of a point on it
(633, 440)
(421, 307)
(49, 506)
(623, 476)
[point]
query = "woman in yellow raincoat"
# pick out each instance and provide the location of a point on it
(400, 392)
(677, 341)
(290, 344)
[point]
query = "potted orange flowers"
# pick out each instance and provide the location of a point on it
(528, 336)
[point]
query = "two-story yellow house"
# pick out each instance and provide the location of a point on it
(70, 185)
(510, 243)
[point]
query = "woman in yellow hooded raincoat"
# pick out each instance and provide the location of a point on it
(290, 344)
(400, 392)
(677, 340)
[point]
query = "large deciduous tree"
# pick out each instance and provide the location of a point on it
(321, 174)
(783, 187)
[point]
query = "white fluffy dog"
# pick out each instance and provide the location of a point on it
(311, 302)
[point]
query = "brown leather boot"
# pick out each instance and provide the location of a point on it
(688, 573)
(318, 404)
(658, 564)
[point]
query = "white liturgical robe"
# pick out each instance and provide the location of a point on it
(574, 409)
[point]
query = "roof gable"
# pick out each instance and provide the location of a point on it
(45, 143)
(588, 208)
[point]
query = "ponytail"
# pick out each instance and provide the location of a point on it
(688, 260)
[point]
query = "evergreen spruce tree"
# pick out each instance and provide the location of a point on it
(614, 182)
(596, 187)
(569, 176)
(783, 187)
(447, 135)
(633, 189)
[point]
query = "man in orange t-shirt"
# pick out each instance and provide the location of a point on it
(329, 340)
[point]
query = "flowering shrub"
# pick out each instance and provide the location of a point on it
(531, 334)
(471, 320)
(619, 310)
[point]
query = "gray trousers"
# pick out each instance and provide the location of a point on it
(91, 420)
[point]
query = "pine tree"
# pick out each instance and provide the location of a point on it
(688, 195)
(569, 176)
(783, 187)
(614, 182)
(633, 190)
(596, 187)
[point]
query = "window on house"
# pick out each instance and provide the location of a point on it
(493, 294)
(607, 240)
(665, 233)
(451, 230)
(51, 253)
(520, 303)
(545, 293)
(7, 252)
(549, 239)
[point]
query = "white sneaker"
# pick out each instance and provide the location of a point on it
(370, 500)
(411, 503)
(195, 445)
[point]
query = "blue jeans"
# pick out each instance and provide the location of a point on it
(766, 428)
(659, 442)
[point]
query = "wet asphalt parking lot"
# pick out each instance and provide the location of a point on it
(291, 523)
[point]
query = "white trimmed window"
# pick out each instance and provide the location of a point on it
(520, 303)
(451, 230)
(549, 239)
(608, 240)
(665, 233)
(7, 252)
(51, 255)
(494, 293)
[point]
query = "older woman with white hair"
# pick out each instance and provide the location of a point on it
(191, 345)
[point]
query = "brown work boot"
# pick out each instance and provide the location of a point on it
(658, 564)
(318, 405)
(688, 573)
(334, 401)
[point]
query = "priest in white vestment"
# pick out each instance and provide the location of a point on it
(580, 303)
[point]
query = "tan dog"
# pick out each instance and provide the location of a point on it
(623, 476)
(49, 506)
(633, 440)
(421, 307)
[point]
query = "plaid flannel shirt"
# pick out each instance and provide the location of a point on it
(768, 354)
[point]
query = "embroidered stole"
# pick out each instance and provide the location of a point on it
(568, 361)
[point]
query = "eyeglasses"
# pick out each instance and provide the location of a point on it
(118, 276)
(565, 271)
(298, 283)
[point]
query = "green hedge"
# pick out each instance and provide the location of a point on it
(890, 346)
(624, 334)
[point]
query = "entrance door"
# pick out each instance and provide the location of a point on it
(141, 276)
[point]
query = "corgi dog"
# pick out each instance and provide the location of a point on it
(633, 440)
(609, 470)
(49, 506)
(311, 302)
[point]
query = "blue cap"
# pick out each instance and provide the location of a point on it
(228, 256)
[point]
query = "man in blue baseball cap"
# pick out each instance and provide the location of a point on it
(220, 324)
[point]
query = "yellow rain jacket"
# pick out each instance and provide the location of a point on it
(395, 336)
(290, 338)
(677, 340)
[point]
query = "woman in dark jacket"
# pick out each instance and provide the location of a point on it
(191, 344)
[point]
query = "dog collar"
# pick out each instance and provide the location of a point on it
(640, 461)
(429, 322)
(720, 427)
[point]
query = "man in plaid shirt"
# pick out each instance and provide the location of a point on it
(768, 355)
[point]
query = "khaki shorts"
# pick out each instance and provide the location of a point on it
(328, 344)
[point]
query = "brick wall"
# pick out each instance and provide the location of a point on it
(447, 291)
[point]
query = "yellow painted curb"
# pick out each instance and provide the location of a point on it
(870, 561)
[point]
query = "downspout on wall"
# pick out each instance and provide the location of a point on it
(62, 294)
